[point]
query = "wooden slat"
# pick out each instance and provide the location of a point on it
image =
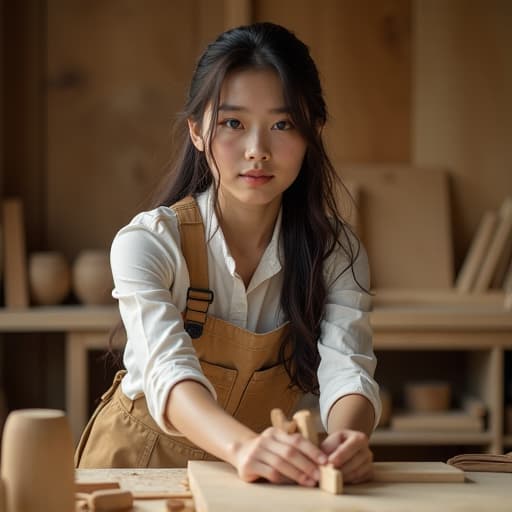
(15, 257)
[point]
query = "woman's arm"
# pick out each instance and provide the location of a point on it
(352, 412)
(274, 455)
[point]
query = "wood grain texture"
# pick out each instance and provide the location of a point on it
(15, 256)
(216, 487)
(416, 472)
(405, 224)
(355, 45)
(461, 103)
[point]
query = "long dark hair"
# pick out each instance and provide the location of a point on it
(312, 227)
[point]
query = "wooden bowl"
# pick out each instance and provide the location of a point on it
(428, 396)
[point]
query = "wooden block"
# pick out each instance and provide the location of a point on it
(476, 254)
(278, 420)
(111, 499)
(306, 425)
(15, 257)
(331, 479)
(416, 472)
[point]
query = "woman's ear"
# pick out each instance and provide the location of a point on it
(195, 134)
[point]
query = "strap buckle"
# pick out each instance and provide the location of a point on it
(198, 302)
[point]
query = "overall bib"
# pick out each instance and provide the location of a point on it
(243, 367)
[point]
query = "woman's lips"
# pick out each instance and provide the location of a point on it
(256, 177)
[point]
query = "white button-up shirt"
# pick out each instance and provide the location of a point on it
(151, 281)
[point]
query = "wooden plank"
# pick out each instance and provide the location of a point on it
(405, 225)
(15, 256)
(416, 472)
(476, 254)
(497, 246)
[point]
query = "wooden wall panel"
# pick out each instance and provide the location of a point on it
(363, 52)
(463, 103)
(117, 75)
(24, 114)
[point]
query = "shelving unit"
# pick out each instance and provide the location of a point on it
(480, 332)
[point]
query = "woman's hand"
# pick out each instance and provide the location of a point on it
(349, 451)
(280, 458)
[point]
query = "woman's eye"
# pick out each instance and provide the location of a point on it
(283, 125)
(232, 123)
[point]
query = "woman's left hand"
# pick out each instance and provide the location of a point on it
(349, 451)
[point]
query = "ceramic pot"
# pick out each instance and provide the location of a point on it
(428, 396)
(37, 461)
(92, 277)
(49, 278)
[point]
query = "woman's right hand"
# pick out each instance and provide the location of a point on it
(280, 458)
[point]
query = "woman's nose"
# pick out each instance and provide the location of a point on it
(257, 147)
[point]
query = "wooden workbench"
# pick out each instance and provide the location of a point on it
(480, 492)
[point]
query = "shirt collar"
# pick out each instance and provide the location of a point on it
(270, 263)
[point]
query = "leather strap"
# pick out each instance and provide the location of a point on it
(193, 246)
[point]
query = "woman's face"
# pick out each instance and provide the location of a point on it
(257, 149)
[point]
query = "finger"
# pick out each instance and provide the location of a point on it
(287, 458)
(302, 445)
(362, 474)
(348, 448)
(357, 466)
(259, 469)
(332, 441)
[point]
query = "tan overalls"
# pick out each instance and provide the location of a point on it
(241, 365)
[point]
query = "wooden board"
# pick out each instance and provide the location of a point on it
(405, 225)
(416, 472)
(216, 487)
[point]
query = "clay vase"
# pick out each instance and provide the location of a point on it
(92, 277)
(49, 278)
(37, 461)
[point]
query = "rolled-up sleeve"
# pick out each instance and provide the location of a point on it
(146, 260)
(347, 360)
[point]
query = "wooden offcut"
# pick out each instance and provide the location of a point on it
(15, 257)
(331, 479)
(306, 426)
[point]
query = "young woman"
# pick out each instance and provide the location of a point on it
(244, 288)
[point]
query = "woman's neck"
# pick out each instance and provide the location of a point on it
(247, 230)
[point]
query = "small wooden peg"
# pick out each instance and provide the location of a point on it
(331, 479)
(306, 425)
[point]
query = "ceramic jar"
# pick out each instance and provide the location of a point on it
(428, 396)
(37, 461)
(49, 277)
(92, 277)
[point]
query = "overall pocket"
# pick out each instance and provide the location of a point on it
(266, 390)
(222, 379)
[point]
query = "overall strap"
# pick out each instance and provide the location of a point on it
(193, 246)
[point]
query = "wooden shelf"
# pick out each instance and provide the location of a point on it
(59, 318)
(383, 437)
